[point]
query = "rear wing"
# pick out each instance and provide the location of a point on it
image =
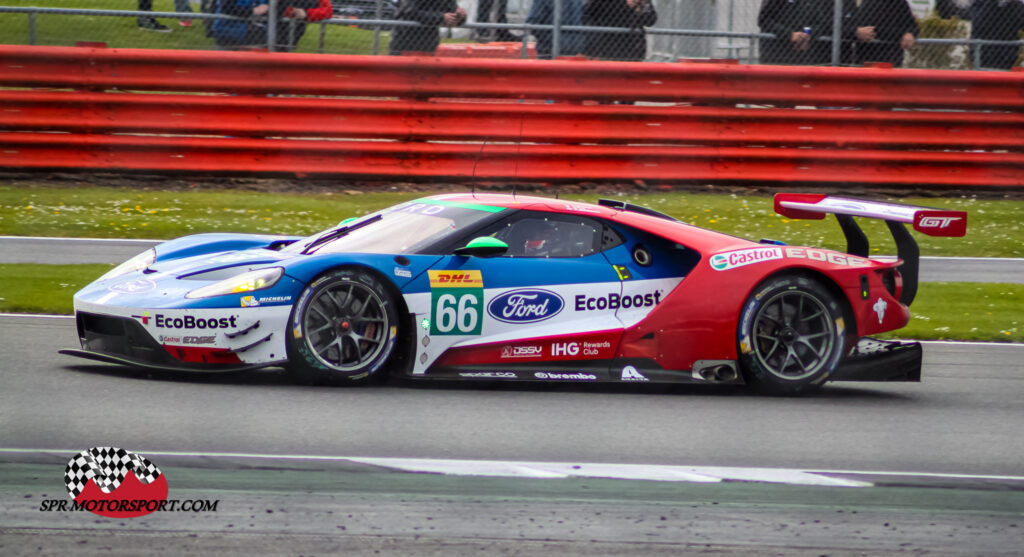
(933, 222)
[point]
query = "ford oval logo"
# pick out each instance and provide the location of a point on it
(525, 306)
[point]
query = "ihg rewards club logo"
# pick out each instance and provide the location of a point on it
(116, 483)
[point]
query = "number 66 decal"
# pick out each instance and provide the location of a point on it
(456, 302)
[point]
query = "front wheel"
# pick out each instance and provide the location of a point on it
(791, 335)
(342, 329)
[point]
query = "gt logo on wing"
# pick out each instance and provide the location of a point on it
(937, 222)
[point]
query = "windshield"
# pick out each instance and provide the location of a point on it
(405, 228)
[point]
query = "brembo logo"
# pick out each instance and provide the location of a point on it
(525, 306)
(937, 222)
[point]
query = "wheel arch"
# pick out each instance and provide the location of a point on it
(849, 318)
(405, 343)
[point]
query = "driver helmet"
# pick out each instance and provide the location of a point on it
(542, 240)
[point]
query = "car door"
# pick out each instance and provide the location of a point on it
(546, 309)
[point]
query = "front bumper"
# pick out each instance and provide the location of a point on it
(183, 340)
(881, 360)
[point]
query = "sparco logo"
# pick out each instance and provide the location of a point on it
(937, 222)
(739, 258)
(616, 301)
(525, 306)
(189, 322)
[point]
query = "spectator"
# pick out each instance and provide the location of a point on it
(997, 20)
(233, 34)
(150, 23)
(182, 7)
(493, 11)
(635, 14)
(796, 24)
(542, 12)
(431, 14)
(301, 11)
(877, 31)
(946, 9)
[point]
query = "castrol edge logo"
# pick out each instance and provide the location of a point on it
(733, 259)
(739, 258)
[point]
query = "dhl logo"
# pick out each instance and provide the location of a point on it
(456, 279)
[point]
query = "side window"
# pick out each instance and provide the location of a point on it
(550, 236)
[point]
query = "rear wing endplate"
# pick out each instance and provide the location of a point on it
(933, 222)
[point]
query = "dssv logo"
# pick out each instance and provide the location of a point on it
(525, 306)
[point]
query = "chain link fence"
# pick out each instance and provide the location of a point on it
(946, 34)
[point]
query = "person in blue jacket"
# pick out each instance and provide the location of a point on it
(570, 43)
(231, 34)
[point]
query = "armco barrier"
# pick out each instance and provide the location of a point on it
(462, 119)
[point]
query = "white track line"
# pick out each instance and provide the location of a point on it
(955, 258)
(968, 343)
(526, 469)
(47, 238)
(37, 315)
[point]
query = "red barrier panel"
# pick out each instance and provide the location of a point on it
(545, 163)
(462, 121)
(437, 118)
(390, 76)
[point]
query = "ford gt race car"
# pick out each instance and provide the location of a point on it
(515, 288)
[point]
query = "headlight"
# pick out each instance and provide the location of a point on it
(137, 263)
(245, 282)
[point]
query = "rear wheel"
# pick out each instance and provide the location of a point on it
(791, 335)
(343, 329)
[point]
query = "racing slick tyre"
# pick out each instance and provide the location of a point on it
(791, 335)
(342, 329)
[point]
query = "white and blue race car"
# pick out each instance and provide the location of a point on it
(505, 287)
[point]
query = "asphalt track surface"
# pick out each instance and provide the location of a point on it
(86, 250)
(964, 418)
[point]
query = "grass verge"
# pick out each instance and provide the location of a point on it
(966, 311)
(943, 310)
(994, 228)
(32, 288)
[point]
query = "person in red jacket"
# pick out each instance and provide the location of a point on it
(301, 11)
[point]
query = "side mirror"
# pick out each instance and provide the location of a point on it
(484, 246)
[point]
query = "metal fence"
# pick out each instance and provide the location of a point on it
(955, 34)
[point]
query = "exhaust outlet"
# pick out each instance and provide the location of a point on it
(716, 371)
(725, 373)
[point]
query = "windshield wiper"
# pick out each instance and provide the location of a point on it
(339, 232)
